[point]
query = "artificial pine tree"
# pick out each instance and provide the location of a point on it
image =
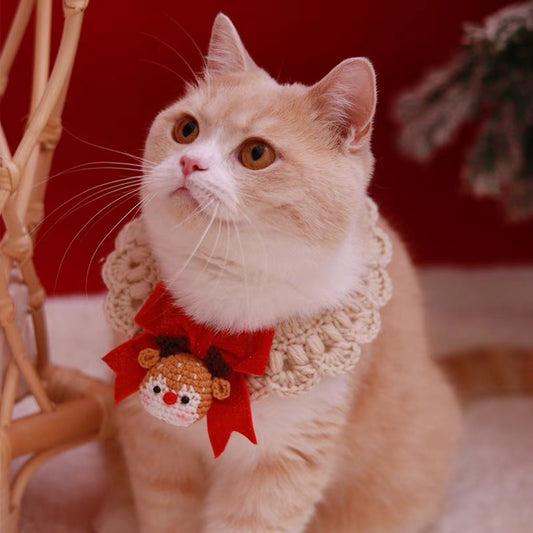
(489, 80)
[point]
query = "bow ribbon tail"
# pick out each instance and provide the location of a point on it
(232, 414)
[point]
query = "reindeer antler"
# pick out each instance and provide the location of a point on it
(215, 363)
(171, 345)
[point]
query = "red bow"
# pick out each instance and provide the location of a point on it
(245, 353)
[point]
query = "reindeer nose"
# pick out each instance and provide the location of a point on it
(170, 398)
(189, 165)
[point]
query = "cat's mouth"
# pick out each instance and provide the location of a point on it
(199, 201)
(181, 192)
(184, 196)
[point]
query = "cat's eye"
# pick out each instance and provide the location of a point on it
(256, 154)
(185, 130)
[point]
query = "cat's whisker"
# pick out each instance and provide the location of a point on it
(199, 209)
(129, 189)
(42, 237)
(223, 268)
(90, 164)
(100, 191)
(88, 169)
(110, 162)
(212, 252)
(198, 244)
(83, 167)
(265, 266)
(200, 53)
(103, 165)
(192, 215)
(205, 75)
(145, 202)
(142, 160)
(244, 267)
(171, 48)
(164, 67)
(117, 202)
(207, 80)
(216, 193)
(135, 209)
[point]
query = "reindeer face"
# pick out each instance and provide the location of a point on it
(178, 389)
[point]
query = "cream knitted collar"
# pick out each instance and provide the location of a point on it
(304, 349)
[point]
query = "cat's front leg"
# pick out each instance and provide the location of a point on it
(276, 493)
(274, 486)
(166, 475)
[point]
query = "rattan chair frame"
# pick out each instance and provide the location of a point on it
(73, 408)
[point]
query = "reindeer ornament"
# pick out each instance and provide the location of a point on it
(184, 370)
(178, 387)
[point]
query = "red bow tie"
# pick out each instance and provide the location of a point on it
(245, 353)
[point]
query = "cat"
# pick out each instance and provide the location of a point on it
(254, 203)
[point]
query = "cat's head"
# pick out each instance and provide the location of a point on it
(258, 188)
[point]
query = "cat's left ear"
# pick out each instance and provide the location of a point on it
(346, 99)
(226, 52)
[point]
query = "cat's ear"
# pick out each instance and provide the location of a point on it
(226, 52)
(346, 99)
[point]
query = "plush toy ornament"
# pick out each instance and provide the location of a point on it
(179, 388)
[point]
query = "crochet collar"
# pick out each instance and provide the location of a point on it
(304, 349)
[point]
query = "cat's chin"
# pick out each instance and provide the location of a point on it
(245, 277)
(226, 312)
(227, 297)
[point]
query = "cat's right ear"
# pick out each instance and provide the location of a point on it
(346, 100)
(226, 52)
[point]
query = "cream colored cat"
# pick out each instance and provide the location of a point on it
(254, 202)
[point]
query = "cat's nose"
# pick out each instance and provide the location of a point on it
(170, 398)
(190, 165)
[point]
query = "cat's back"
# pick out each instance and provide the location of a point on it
(398, 446)
(402, 382)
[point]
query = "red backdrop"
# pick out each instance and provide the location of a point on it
(126, 71)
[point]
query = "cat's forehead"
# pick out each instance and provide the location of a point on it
(242, 103)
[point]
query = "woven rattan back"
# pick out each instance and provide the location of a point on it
(72, 406)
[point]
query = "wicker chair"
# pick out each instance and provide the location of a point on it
(73, 408)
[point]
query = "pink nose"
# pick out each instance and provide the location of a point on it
(170, 398)
(189, 165)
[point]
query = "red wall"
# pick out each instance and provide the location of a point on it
(117, 88)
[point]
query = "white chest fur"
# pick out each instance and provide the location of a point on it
(278, 422)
